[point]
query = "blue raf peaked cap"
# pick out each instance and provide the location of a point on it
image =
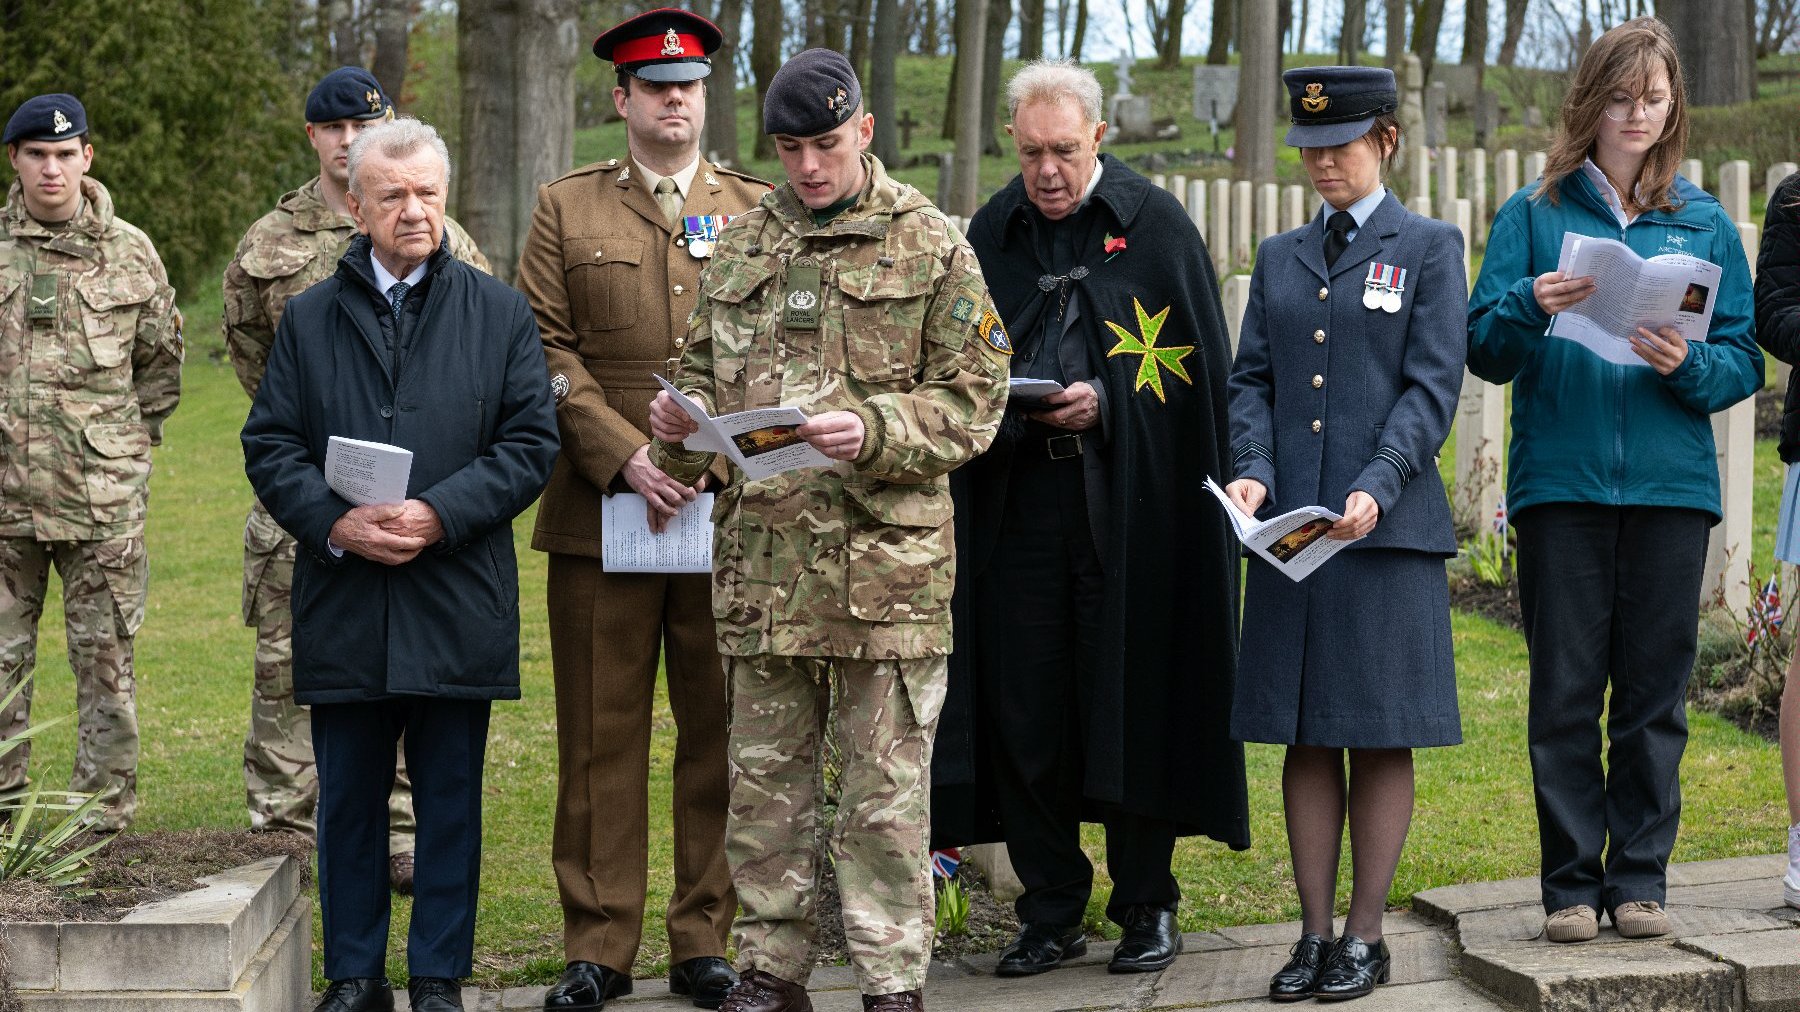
(1336, 105)
(348, 93)
(47, 118)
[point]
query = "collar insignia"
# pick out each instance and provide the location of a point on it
(1313, 101)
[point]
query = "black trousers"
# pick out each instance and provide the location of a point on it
(1037, 682)
(1610, 596)
(353, 744)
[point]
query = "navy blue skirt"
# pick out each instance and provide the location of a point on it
(1357, 655)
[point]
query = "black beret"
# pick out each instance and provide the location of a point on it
(1336, 105)
(47, 118)
(666, 44)
(348, 93)
(813, 93)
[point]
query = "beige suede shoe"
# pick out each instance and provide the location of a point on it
(1640, 919)
(1572, 924)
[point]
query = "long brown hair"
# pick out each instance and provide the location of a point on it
(1623, 59)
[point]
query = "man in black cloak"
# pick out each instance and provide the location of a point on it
(1096, 620)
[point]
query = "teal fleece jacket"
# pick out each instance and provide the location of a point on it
(1587, 430)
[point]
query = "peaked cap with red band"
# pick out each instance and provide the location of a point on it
(667, 44)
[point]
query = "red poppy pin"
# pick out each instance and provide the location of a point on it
(1114, 245)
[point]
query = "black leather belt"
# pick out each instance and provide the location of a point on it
(1064, 446)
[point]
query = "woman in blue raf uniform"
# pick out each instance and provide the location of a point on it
(1612, 483)
(1342, 399)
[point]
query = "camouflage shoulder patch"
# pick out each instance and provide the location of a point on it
(962, 310)
(994, 333)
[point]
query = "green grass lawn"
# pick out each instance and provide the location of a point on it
(1474, 819)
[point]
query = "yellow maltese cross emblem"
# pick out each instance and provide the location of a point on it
(1154, 359)
(1313, 101)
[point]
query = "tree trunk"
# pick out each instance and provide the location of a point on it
(928, 29)
(392, 19)
(1475, 32)
(1081, 11)
(1168, 57)
(880, 93)
(1714, 42)
(1350, 39)
(859, 38)
(971, 45)
(721, 88)
(1031, 30)
(1259, 80)
(999, 15)
(1224, 30)
(1396, 33)
(1300, 27)
(1428, 19)
(765, 60)
(346, 47)
(1515, 27)
(831, 23)
(516, 61)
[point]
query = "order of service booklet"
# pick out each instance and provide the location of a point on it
(761, 441)
(627, 545)
(1294, 542)
(1673, 289)
(367, 473)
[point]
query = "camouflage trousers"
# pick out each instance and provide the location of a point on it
(104, 586)
(885, 718)
(281, 783)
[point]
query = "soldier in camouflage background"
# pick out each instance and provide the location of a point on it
(287, 251)
(90, 366)
(848, 295)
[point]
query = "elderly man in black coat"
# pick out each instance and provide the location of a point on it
(1096, 633)
(406, 615)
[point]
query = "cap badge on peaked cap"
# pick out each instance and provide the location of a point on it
(1314, 100)
(671, 43)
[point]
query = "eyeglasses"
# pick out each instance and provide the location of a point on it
(1620, 107)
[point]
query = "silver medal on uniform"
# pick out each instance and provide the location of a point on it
(1382, 287)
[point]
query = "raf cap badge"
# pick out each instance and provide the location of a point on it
(1383, 286)
(60, 123)
(1314, 100)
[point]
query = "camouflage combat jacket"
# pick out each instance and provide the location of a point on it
(858, 560)
(90, 366)
(287, 251)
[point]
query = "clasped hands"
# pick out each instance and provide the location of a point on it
(1360, 511)
(388, 533)
(1663, 349)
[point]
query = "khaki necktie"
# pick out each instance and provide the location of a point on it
(669, 199)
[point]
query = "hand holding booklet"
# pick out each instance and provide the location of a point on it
(761, 441)
(1294, 542)
(1671, 290)
(367, 473)
(627, 545)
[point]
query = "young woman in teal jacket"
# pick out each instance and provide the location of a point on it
(1612, 483)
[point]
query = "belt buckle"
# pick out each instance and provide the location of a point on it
(1064, 446)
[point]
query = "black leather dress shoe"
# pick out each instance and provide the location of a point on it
(1306, 960)
(358, 994)
(704, 978)
(434, 994)
(1039, 947)
(1353, 970)
(1149, 944)
(584, 987)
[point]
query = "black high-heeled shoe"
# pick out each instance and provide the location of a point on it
(1354, 969)
(1306, 960)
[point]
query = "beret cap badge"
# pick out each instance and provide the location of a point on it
(374, 99)
(60, 123)
(837, 100)
(1313, 100)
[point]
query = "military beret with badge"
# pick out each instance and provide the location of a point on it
(348, 93)
(47, 118)
(813, 93)
(666, 45)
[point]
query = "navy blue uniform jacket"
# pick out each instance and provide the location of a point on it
(1328, 396)
(472, 402)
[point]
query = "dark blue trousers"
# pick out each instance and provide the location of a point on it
(1610, 595)
(353, 744)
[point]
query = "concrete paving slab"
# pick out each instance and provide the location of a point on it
(1579, 978)
(1077, 987)
(1234, 974)
(1768, 964)
(1444, 903)
(1433, 996)
(1501, 926)
(1729, 869)
(1759, 894)
(32, 952)
(1398, 922)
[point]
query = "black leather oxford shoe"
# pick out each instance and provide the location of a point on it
(584, 987)
(434, 994)
(705, 979)
(358, 994)
(1150, 942)
(1306, 960)
(1353, 969)
(1039, 947)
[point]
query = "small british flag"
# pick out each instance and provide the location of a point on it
(1500, 515)
(945, 862)
(1765, 612)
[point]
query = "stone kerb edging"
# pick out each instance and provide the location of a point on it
(241, 942)
(1734, 947)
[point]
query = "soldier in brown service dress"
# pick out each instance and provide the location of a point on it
(287, 251)
(612, 267)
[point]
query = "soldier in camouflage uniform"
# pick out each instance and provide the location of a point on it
(287, 251)
(90, 366)
(848, 295)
